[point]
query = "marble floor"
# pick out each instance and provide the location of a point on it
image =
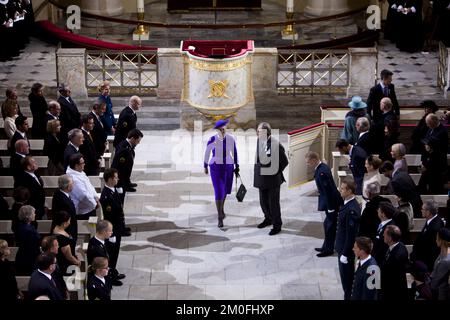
(176, 250)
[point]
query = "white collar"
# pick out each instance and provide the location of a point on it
(428, 221)
(393, 246)
(320, 162)
(346, 201)
(67, 195)
(49, 276)
(362, 133)
(383, 223)
(85, 130)
(22, 155)
(365, 260)
(21, 133)
(112, 189)
(70, 142)
(102, 279)
(102, 241)
(134, 112)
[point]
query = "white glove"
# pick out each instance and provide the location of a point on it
(399, 8)
(343, 259)
(112, 239)
(394, 6)
(413, 10)
(119, 190)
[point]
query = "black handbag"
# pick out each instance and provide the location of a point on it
(240, 194)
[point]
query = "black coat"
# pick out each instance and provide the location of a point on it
(366, 143)
(403, 186)
(271, 179)
(70, 117)
(374, 99)
(87, 149)
(419, 133)
(8, 289)
(358, 161)
(37, 191)
(40, 285)
(16, 136)
(379, 247)
(54, 149)
(360, 290)
(61, 202)
(99, 136)
(369, 218)
(38, 107)
(123, 161)
(68, 152)
(425, 248)
(347, 228)
(96, 249)
(329, 196)
(28, 241)
(113, 210)
(15, 164)
(97, 290)
(393, 274)
(127, 122)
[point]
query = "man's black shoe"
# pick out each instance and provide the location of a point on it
(128, 229)
(116, 283)
(324, 254)
(264, 224)
(318, 249)
(274, 232)
(129, 189)
(126, 233)
(133, 185)
(119, 276)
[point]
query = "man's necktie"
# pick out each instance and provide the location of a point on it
(386, 91)
(388, 253)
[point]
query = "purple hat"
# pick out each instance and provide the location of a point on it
(221, 123)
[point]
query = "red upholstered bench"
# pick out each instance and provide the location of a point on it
(50, 29)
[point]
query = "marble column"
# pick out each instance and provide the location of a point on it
(102, 7)
(72, 70)
(170, 77)
(362, 71)
(265, 64)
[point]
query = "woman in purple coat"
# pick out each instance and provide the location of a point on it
(223, 163)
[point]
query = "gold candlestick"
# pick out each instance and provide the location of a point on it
(141, 32)
(288, 29)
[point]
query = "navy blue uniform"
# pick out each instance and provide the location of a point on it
(329, 201)
(123, 161)
(360, 290)
(127, 122)
(357, 166)
(347, 229)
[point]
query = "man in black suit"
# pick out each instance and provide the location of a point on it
(49, 244)
(124, 159)
(21, 123)
(403, 186)
(329, 201)
(127, 120)
(393, 268)
(70, 116)
(87, 149)
(357, 162)
(54, 110)
(384, 89)
(113, 212)
(98, 132)
(76, 139)
(33, 182)
(425, 248)
(369, 217)
(22, 149)
(62, 202)
(365, 136)
(367, 274)
(41, 280)
(97, 247)
(385, 130)
(268, 176)
(347, 228)
(438, 133)
(386, 212)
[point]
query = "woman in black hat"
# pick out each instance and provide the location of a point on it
(223, 163)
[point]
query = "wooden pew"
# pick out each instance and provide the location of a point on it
(384, 180)
(41, 161)
(35, 145)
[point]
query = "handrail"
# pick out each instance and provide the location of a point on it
(211, 26)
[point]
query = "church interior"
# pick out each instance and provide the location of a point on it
(295, 64)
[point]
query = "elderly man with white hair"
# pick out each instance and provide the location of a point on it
(127, 120)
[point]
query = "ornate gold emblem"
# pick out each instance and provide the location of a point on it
(217, 89)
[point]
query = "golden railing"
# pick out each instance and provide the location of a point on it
(129, 72)
(313, 72)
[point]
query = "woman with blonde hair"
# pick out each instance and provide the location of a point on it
(108, 120)
(398, 151)
(54, 148)
(98, 283)
(11, 113)
(8, 289)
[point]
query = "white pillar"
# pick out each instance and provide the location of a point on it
(72, 70)
(170, 77)
(362, 71)
(322, 8)
(102, 7)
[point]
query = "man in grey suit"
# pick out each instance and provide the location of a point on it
(367, 274)
(268, 176)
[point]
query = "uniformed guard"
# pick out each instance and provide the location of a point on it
(124, 159)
